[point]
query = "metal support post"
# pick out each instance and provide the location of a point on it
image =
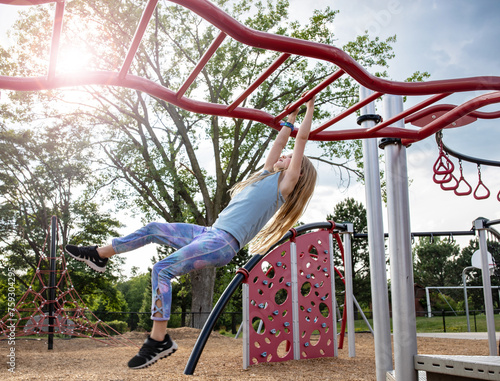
(479, 224)
(349, 299)
(334, 298)
(295, 301)
(428, 298)
(52, 281)
(464, 281)
(376, 244)
(245, 324)
(402, 285)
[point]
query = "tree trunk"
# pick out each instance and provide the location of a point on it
(202, 286)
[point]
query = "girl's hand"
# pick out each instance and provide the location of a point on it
(293, 115)
(310, 102)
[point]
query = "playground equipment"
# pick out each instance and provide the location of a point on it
(54, 307)
(444, 167)
(391, 128)
(293, 293)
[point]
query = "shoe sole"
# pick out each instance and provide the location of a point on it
(159, 356)
(89, 263)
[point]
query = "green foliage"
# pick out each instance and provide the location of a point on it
(354, 212)
(118, 325)
(435, 262)
(134, 293)
(40, 173)
(224, 275)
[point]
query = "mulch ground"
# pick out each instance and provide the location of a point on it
(86, 359)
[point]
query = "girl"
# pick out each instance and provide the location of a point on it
(279, 193)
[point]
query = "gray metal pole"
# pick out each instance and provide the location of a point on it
(349, 296)
(334, 298)
(429, 310)
(464, 280)
(245, 324)
(402, 285)
(295, 301)
(376, 246)
(479, 224)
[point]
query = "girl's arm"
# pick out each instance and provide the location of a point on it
(292, 174)
(280, 142)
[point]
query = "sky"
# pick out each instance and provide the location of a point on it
(447, 38)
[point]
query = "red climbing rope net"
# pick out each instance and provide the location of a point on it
(429, 118)
(37, 313)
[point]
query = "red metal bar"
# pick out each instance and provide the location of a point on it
(407, 112)
(108, 78)
(315, 90)
(264, 40)
(448, 107)
(28, 2)
(347, 112)
(201, 64)
(455, 114)
(139, 33)
(275, 65)
(56, 38)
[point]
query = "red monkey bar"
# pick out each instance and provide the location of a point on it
(436, 90)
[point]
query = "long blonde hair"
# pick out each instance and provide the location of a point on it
(289, 213)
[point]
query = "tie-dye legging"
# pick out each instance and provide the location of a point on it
(198, 247)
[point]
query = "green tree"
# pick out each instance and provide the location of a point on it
(133, 291)
(474, 275)
(354, 212)
(224, 276)
(435, 265)
(171, 163)
(435, 262)
(40, 173)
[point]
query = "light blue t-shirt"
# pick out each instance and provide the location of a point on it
(251, 209)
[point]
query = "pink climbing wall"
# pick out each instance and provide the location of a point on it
(270, 300)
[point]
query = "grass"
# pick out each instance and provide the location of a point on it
(452, 323)
(427, 325)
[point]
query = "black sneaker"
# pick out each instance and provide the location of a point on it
(89, 255)
(151, 351)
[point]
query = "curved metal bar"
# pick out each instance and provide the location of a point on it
(284, 44)
(233, 286)
(264, 40)
(448, 107)
(471, 159)
(455, 114)
(28, 2)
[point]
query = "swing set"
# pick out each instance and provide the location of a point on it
(428, 116)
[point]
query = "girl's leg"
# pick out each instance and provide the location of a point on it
(215, 248)
(106, 251)
(175, 235)
(159, 329)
